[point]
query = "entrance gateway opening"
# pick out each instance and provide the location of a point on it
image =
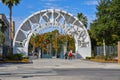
(52, 18)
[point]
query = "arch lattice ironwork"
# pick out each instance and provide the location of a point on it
(37, 22)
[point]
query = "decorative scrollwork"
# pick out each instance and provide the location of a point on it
(51, 18)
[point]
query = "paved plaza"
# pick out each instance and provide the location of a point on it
(60, 69)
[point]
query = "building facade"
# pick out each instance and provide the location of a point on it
(4, 49)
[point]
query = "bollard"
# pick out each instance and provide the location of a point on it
(119, 52)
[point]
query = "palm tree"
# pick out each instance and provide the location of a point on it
(10, 4)
(82, 18)
(34, 41)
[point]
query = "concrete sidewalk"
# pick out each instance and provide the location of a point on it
(60, 63)
(60, 69)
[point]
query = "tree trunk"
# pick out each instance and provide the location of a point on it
(56, 53)
(33, 52)
(10, 24)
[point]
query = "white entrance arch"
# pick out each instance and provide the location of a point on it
(52, 18)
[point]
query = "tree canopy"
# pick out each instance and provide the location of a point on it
(82, 18)
(2, 30)
(107, 23)
(55, 38)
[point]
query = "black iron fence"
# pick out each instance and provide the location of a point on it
(110, 50)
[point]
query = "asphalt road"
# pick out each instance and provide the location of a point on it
(61, 74)
(60, 69)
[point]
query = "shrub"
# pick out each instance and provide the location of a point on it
(18, 56)
(8, 57)
(100, 57)
(25, 58)
(88, 58)
(15, 57)
(92, 57)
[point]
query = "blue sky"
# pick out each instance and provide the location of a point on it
(27, 7)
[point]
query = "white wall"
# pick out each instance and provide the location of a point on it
(84, 52)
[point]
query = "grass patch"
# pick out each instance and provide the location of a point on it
(15, 58)
(104, 61)
(15, 61)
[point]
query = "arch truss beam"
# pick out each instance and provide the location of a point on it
(37, 22)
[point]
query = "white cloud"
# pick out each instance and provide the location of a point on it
(69, 9)
(92, 2)
(51, 0)
(30, 7)
(50, 6)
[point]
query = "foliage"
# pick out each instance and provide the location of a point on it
(19, 56)
(100, 57)
(82, 18)
(55, 39)
(110, 56)
(107, 23)
(2, 38)
(10, 3)
(71, 43)
(107, 57)
(88, 58)
(2, 26)
(2, 30)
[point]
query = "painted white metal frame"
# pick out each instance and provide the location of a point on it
(49, 18)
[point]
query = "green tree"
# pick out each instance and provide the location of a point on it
(2, 39)
(114, 10)
(2, 30)
(34, 41)
(71, 43)
(82, 18)
(107, 22)
(2, 26)
(43, 44)
(53, 40)
(102, 26)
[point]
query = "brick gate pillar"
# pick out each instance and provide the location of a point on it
(119, 52)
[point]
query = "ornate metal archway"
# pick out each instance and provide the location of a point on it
(52, 18)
